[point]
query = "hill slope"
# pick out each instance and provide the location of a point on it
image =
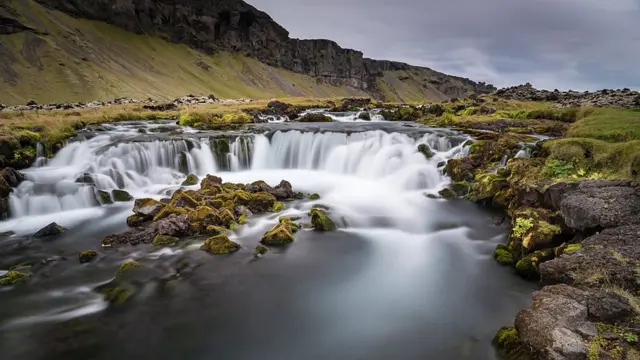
(55, 53)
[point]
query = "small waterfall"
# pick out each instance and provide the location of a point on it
(147, 168)
(524, 153)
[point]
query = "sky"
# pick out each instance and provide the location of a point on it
(563, 44)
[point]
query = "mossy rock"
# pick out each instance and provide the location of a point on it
(277, 206)
(121, 196)
(126, 266)
(13, 277)
(527, 267)
(210, 181)
(509, 345)
(487, 186)
(447, 193)
(364, 116)
(216, 230)
(242, 197)
(7, 234)
(87, 256)
(170, 210)
(532, 228)
(260, 250)
(182, 199)
(243, 219)
(164, 240)
(191, 180)
(280, 234)
(104, 198)
(320, 221)
(288, 218)
(220, 245)
(503, 255)
(504, 172)
(261, 202)
(460, 169)
(461, 188)
(225, 217)
(147, 207)
(315, 117)
(136, 220)
(117, 295)
(425, 150)
(313, 196)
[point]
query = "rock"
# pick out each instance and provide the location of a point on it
(315, 117)
(190, 180)
(277, 206)
(260, 251)
(13, 277)
(126, 266)
(425, 150)
(148, 208)
(601, 204)
(320, 221)
(87, 256)
(447, 193)
(283, 191)
(572, 99)
(261, 202)
(137, 220)
(11, 177)
(121, 196)
(103, 197)
(281, 234)
(609, 307)
(313, 196)
(49, 230)
(220, 245)
(608, 258)
(210, 181)
(503, 255)
(173, 225)
(279, 107)
(6, 234)
(527, 267)
(365, 115)
(85, 178)
(163, 240)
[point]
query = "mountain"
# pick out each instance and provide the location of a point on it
(55, 50)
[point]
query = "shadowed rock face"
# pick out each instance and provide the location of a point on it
(233, 25)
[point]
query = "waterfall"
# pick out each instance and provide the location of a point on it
(68, 182)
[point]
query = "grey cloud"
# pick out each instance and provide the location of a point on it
(577, 44)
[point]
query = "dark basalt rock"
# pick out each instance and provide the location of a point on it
(49, 230)
(174, 225)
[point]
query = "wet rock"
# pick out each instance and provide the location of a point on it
(609, 307)
(11, 177)
(87, 256)
(315, 117)
(321, 221)
(502, 255)
(220, 245)
(103, 197)
(283, 191)
(137, 220)
(85, 178)
(281, 234)
(13, 277)
(278, 107)
(164, 240)
(190, 180)
(210, 181)
(365, 115)
(260, 250)
(121, 196)
(5, 234)
(602, 98)
(425, 150)
(313, 196)
(49, 230)
(127, 266)
(174, 225)
(147, 208)
(447, 193)
(608, 258)
(601, 204)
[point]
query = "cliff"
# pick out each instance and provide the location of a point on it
(233, 26)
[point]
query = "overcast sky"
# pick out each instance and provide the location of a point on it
(564, 44)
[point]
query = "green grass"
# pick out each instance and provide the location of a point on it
(608, 124)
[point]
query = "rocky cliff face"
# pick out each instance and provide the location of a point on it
(233, 25)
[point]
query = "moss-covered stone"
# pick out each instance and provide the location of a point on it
(461, 188)
(164, 240)
(136, 220)
(210, 182)
(191, 180)
(126, 266)
(121, 196)
(503, 255)
(220, 245)
(487, 186)
(288, 218)
(117, 295)
(216, 230)
(87, 256)
(225, 217)
(182, 199)
(104, 198)
(13, 277)
(243, 219)
(277, 206)
(531, 228)
(315, 117)
(425, 150)
(313, 196)
(460, 169)
(509, 345)
(260, 250)
(261, 202)
(527, 267)
(447, 193)
(170, 210)
(320, 221)
(147, 207)
(280, 234)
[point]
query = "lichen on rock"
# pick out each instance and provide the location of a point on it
(220, 245)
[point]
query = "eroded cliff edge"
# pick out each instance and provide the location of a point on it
(235, 26)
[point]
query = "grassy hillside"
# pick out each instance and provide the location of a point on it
(80, 60)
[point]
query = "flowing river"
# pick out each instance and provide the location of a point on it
(406, 276)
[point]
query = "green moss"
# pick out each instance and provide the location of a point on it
(13, 277)
(502, 255)
(260, 250)
(243, 219)
(126, 266)
(169, 210)
(121, 196)
(288, 218)
(280, 234)
(136, 220)
(104, 197)
(164, 240)
(313, 196)
(87, 256)
(225, 217)
(190, 180)
(315, 117)
(523, 226)
(220, 245)
(425, 150)
(117, 295)
(320, 221)
(277, 206)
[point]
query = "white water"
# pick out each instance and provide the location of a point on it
(353, 172)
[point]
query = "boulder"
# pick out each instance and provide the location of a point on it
(321, 221)
(173, 225)
(87, 256)
(220, 245)
(11, 177)
(280, 234)
(49, 230)
(121, 196)
(190, 180)
(147, 207)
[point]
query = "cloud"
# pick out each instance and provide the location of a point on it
(564, 44)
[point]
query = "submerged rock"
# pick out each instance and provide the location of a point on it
(121, 196)
(163, 240)
(320, 221)
(13, 277)
(103, 197)
(315, 117)
(220, 245)
(281, 234)
(260, 250)
(425, 150)
(126, 266)
(87, 256)
(313, 196)
(49, 230)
